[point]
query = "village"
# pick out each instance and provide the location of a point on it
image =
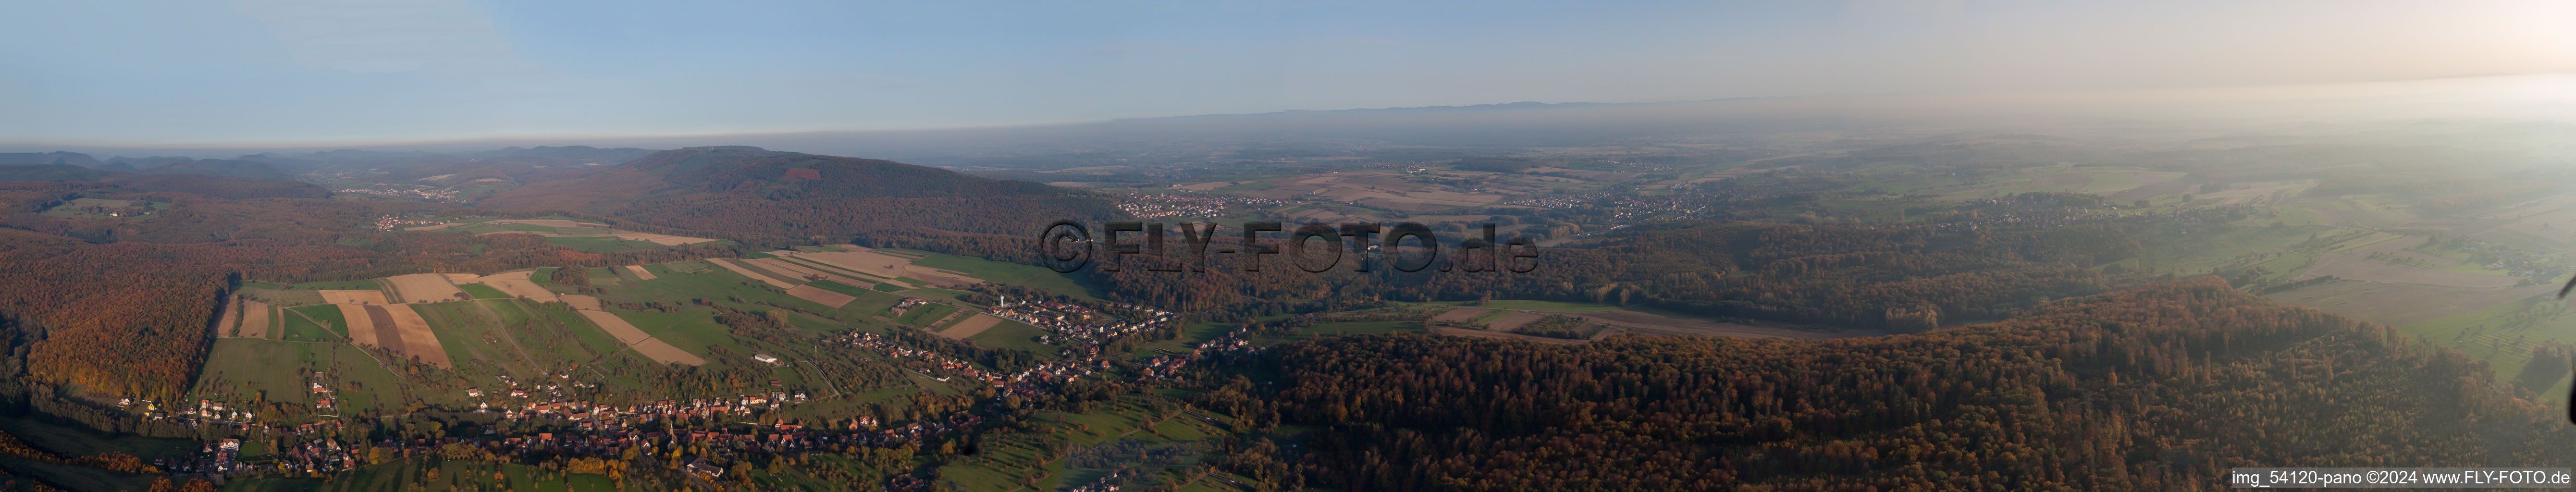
(582, 427)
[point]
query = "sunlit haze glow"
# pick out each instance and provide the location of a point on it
(286, 72)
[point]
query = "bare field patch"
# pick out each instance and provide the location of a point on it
(2402, 304)
(2352, 266)
(462, 278)
(938, 277)
(626, 333)
(820, 296)
(616, 327)
(663, 352)
(228, 319)
(640, 272)
(516, 284)
(867, 262)
(971, 326)
(424, 287)
(418, 343)
(353, 297)
(362, 327)
(255, 320)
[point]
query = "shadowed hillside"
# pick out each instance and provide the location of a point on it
(754, 191)
(2154, 388)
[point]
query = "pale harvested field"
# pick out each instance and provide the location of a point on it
(255, 321)
(431, 227)
(424, 287)
(2352, 266)
(938, 277)
(655, 349)
(842, 276)
(228, 320)
(546, 222)
(362, 327)
(728, 265)
(1489, 334)
(516, 284)
(868, 262)
(660, 351)
(1515, 321)
(640, 272)
(418, 343)
(259, 320)
(616, 327)
(2403, 304)
(820, 296)
(354, 297)
(971, 326)
(462, 278)
(1460, 314)
(580, 301)
(1647, 323)
(662, 239)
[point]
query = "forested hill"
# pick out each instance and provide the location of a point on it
(749, 190)
(212, 185)
(2154, 388)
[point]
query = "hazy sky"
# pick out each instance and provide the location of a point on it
(289, 71)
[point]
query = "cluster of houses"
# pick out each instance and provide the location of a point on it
(1156, 205)
(217, 458)
(387, 223)
(1070, 322)
(206, 412)
(423, 193)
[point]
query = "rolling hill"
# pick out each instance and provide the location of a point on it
(754, 191)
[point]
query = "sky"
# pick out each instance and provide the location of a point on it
(275, 72)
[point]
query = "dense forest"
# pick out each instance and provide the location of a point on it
(2156, 388)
